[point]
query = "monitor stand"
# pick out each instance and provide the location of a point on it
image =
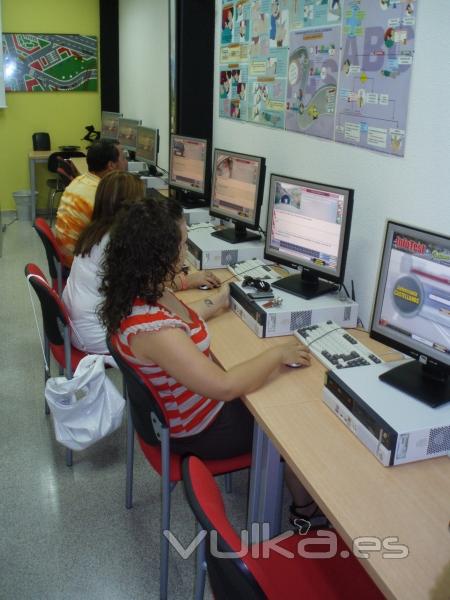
(236, 234)
(305, 285)
(427, 383)
(188, 199)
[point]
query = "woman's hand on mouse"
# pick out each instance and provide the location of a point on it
(195, 280)
(295, 353)
(222, 298)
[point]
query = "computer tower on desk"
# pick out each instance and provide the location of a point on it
(291, 313)
(394, 426)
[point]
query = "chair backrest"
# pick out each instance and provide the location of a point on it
(41, 140)
(55, 157)
(54, 313)
(147, 414)
(229, 577)
(51, 246)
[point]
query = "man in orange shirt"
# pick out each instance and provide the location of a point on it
(77, 202)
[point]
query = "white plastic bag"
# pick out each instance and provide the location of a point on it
(85, 408)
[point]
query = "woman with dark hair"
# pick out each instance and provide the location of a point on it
(168, 341)
(117, 190)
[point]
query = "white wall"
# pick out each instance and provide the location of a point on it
(144, 66)
(414, 189)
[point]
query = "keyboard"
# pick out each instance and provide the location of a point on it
(334, 347)
(196, 226)
(253, 267)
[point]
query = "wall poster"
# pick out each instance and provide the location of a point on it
(37, 62)
(335, 69)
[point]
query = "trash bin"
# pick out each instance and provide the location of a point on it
(22, 199)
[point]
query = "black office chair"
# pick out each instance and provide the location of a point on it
(41, 140)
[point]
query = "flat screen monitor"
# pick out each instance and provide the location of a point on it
(187, 168)
(237, 193)
(128, 133)
(308, 226)
(110, 125)
(412, 310)
(147, 145)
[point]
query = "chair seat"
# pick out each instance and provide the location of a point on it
(216, 467)
(58, 353)
(331, 577)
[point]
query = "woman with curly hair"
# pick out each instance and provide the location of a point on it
(168, 341)
(117, 190)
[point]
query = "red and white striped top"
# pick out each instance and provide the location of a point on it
(188, 413)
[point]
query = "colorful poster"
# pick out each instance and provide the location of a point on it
(335, 69)
(376, 62)
(312, 81)
(36, 62)
(315, 13)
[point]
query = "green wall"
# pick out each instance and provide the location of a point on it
(62, 114)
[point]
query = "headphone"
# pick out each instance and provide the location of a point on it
(259, 284)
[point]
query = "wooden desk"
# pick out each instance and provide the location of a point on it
(361, 497)
(34, 157)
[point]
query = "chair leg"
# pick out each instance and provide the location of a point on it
(165, 516)
(200, 568)
(130, 455)
(228, 483)
(46, 370)
(69, 457)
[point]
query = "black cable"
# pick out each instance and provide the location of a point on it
(345, 289)
(320, 336)
(8, 224)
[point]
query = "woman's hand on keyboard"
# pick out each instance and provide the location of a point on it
(294, 353)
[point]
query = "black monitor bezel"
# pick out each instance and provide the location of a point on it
(137, 123)
(115, 114)
(141, 158)
(254, 224)
(304, 266)
(421, 352)
(176, 184)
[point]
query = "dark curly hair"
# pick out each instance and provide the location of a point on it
(141, 256)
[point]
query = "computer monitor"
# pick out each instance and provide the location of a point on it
(147, 145)
(412, 310)
(308, 226)
(237, 193)
(187, 168)
(127, 135)
(110, 125)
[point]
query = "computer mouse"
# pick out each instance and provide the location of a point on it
(203, 287)
(294, 365)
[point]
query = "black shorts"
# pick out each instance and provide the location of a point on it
(230, 434)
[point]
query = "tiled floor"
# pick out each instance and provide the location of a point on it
(64, 532)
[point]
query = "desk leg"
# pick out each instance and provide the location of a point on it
(32, 169)
(266, 485)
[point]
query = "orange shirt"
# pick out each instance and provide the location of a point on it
(75, 212)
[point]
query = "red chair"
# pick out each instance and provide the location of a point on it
(56, 325)
(151, 424)
(59, 163)
(58, 272)
(260, 572)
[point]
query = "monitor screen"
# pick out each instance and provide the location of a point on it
(412, 308)
(237, 192)
(127, 135)
(147, 145)
(308, 226)
(188, 163)
(110, 125)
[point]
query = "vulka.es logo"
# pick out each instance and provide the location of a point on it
(307, 547)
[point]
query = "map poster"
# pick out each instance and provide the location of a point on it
(35, 62)
(312, 81)
(376, 62)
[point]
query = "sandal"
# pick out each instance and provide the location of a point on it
(304, 523)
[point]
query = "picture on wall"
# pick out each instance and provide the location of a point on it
(38, 62)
